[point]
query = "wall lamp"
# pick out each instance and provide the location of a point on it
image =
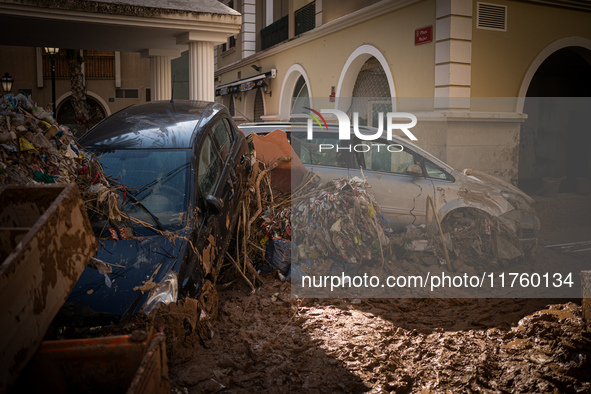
(7, 82)
(52, 52)
(266, 89)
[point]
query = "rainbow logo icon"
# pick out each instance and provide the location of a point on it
(316, 115)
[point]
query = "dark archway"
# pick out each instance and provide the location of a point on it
(371, 93)
(555, 140)
(259, 106)
(66, 115)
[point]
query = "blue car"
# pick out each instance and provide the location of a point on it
(181, 168)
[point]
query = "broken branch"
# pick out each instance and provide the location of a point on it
(258, 192)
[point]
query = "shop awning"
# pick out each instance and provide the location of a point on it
(246, 84)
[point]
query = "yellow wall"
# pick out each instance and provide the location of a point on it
(332, 9)
(500, 60)
(324, 58)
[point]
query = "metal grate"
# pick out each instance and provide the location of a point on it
(305, 18)
(232, 107)
(97, 64)
(371, 93)
(275, 33)
(259, 106)
(492, 17)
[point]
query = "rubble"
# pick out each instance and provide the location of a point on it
(35, 149)
(340, 219)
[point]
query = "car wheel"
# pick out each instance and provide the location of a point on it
(480, 237)
(471, 232)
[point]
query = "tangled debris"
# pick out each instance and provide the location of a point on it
(34, 148)
(341, 219)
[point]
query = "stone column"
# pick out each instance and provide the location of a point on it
(201, 61)
(453, 53)
(160, 72)
(160, 78)
(201, 71)
(249, 32)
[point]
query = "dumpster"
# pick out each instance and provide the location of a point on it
(117, 364)
(46, 242)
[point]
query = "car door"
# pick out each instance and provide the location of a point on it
(215, 194)
(402, 197)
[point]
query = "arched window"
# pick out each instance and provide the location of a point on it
(259, 106)
(300, 97)
(371, 93)
(232, 106)
(67, 116)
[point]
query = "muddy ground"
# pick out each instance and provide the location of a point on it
(266, 341)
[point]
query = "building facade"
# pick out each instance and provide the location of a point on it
(113, 80)
(128, 46)
(471, 71)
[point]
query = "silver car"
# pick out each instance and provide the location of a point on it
(402, 175)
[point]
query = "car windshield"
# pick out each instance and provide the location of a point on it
(155, 184)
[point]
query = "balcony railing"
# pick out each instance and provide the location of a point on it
(97, 64)
(305, 18)
(275, 33)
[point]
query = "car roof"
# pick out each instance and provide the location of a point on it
(155, 124)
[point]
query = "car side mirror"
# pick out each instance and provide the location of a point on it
(214, 204)
(244, 160)
(414, 170)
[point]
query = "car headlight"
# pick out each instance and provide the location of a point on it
(166, 292)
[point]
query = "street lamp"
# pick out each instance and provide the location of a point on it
(52, 52)
(7, 82)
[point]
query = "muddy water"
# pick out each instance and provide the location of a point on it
(267, 342)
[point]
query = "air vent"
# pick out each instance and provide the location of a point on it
(492, 17)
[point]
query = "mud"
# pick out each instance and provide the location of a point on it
(267, 342)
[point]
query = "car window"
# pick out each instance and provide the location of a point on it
(435, 172)
(380, 158)
(221, 133)
(324, 149)
(209, 168)
(155, 182)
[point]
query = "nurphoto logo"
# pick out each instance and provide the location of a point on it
(345, 129)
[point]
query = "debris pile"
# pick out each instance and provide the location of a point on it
(474, 241)
(34, 148)
(342, 220)
(335, 222)
(416, 346)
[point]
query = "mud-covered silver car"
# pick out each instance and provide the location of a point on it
(402, 175)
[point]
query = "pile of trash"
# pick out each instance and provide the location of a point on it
(34, 148)
(340, 220)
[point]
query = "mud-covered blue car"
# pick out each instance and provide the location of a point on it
(181, 168)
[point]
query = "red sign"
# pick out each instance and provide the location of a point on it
(424, 35)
